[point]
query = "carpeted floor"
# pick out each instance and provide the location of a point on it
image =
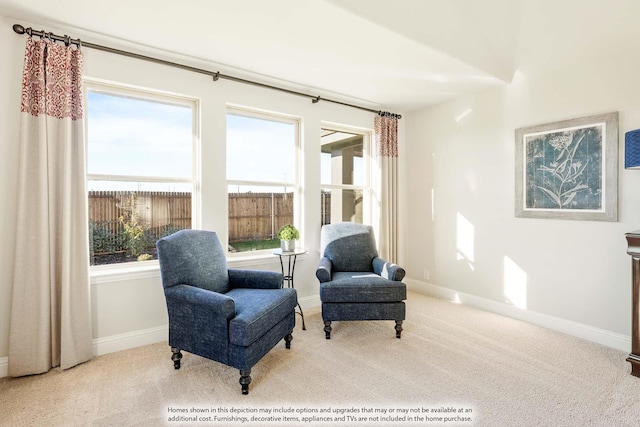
(490, 370)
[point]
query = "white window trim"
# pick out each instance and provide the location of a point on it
(144, 269)
(239, 259)
(366, 187)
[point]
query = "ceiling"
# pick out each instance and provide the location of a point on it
(399, 55)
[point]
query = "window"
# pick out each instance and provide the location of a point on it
(344, 176)
(262, 177)
(141, 149)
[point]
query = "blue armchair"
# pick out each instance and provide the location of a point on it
(231, 316)
(356, 284)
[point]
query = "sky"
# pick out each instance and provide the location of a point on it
(140, 138)
(129, 136)
(260, 150)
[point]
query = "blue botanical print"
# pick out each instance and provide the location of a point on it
(564, 169)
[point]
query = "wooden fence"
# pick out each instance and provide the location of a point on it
(157, 213)
(252, 216)
(258, 216)
(155, 209)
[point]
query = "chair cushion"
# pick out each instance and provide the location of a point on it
(361, 287)
(195, 258)
(257, 311)
(349, 246)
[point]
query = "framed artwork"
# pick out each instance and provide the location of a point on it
(568, 169)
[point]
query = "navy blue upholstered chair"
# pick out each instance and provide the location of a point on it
(231, 316)
(356, 284)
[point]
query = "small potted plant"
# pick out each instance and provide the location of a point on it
(288, 236)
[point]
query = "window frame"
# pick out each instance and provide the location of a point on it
(150, 95)
(366, 187)
(295, 184)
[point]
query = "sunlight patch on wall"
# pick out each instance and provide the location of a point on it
(515, 284)
(464, 114)
(472, 181)
(465, 240)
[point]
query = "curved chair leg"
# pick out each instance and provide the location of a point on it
(287, 340)
(245, 380)
(176, 356)
(327, 329)
(398, 328)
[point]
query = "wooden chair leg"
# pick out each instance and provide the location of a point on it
(398, 328)
(327, 329)
(176, 356)
(245, 380)
(287, 340)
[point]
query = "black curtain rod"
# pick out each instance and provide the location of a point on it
(19, 29)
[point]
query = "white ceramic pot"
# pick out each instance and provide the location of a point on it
(287, 245)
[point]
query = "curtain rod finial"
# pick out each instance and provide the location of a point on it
(18, 28)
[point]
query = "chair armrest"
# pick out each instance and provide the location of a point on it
(199, 320)
(200, 299)
(255, 279)
(388, 270)
(323, 272)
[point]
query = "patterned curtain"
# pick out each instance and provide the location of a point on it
(50, 307)
(386, 134)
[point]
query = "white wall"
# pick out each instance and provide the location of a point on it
(124, 305)
(573, 271)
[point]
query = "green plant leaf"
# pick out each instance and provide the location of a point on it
(288, 232)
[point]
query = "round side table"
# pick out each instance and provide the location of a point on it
(288, 276)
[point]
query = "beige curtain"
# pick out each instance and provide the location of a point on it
(50, 307)
(386, 134)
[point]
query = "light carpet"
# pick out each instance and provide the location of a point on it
(491, 370)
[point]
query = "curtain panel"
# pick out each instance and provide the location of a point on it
(50, 306)
(386, 135)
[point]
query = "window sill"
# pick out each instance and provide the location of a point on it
(124, 272)
(252, 259)
(151, 269)
(249, 259)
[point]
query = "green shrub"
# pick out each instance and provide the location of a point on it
(288, 232)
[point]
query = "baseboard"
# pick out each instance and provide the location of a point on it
(600, 336)
(310, 302)
(4, 367)
(120, 342)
